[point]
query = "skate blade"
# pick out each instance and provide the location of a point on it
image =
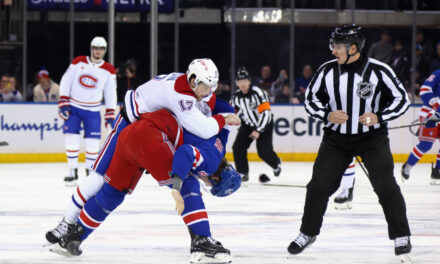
(60, 251)
(435, 182)
(344, 206)
(219, 258)
(71, 184)
(48, 244)
(405, 258)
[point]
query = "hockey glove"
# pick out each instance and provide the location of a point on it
(109, 118)
(432, 118)
(64, 107)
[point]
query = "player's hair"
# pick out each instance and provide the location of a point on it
(223, 164)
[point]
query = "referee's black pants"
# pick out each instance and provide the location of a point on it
(334, 155)
(264, 147)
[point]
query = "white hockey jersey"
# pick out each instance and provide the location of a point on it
(172, 92)
(84, 84)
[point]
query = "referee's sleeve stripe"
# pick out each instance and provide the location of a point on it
(264, 120)
(313, 105)
(400, 102)
(261, 95)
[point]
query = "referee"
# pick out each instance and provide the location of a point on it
(252, 105)
(355, 96)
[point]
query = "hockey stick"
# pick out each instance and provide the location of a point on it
(4, 143)
(362, 166)
(284, 185)
(410, 125)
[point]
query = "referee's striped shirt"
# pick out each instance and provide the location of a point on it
(253, 108)
(371, 86)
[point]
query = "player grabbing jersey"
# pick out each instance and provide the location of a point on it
(195, 157)
(82, 88)
(188, 96)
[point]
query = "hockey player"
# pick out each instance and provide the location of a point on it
(190, 97)
(81, 91)
(344, 198)
(430, 111)
(155, 134)
(355, 96)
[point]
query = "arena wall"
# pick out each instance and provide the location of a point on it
(34, 134)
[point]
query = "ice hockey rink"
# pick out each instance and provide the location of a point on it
(256, 223)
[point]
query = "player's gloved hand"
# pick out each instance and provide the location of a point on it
(109, 118)
(180, 205)
(64, 107)
(432, 118)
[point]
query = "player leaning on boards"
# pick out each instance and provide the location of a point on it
(81, 90)
(252, 105)
(355, 96)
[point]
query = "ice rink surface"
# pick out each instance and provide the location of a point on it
(256, 223)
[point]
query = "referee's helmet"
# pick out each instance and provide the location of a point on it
(242, 73)
(348, 34)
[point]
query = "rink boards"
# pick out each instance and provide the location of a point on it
(34, 134)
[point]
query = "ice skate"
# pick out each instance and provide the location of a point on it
(72, 240)
(244, 179)
(277, 171)
(344, 199)
(72, 178)
(208, 250)
(54, 235)
(300, 243)
(406, 168)
(402, 248)
(435, 176)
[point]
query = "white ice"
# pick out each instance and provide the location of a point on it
(257, 223)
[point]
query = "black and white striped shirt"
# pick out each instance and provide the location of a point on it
(253, 108)
(366, 85)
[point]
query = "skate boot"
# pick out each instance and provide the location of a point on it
(54, 235)
(435, 176)
(208, 250)
(300, 243)
(87, 172)
(72, 240)
(406, 168)
(277, 171)
(402, 248)
(344, 199)
(244, 178)
(72, 179)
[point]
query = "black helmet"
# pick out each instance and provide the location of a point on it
(242, 73)
(348, 34)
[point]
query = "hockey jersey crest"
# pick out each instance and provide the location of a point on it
(86, 83)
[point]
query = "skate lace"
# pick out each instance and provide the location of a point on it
(212, 241)
(401, 241)
(302, 239)
(62, 228)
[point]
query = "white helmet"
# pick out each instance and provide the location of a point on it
(203, 70)
(98, 42)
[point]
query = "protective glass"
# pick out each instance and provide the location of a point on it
(334, 45)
